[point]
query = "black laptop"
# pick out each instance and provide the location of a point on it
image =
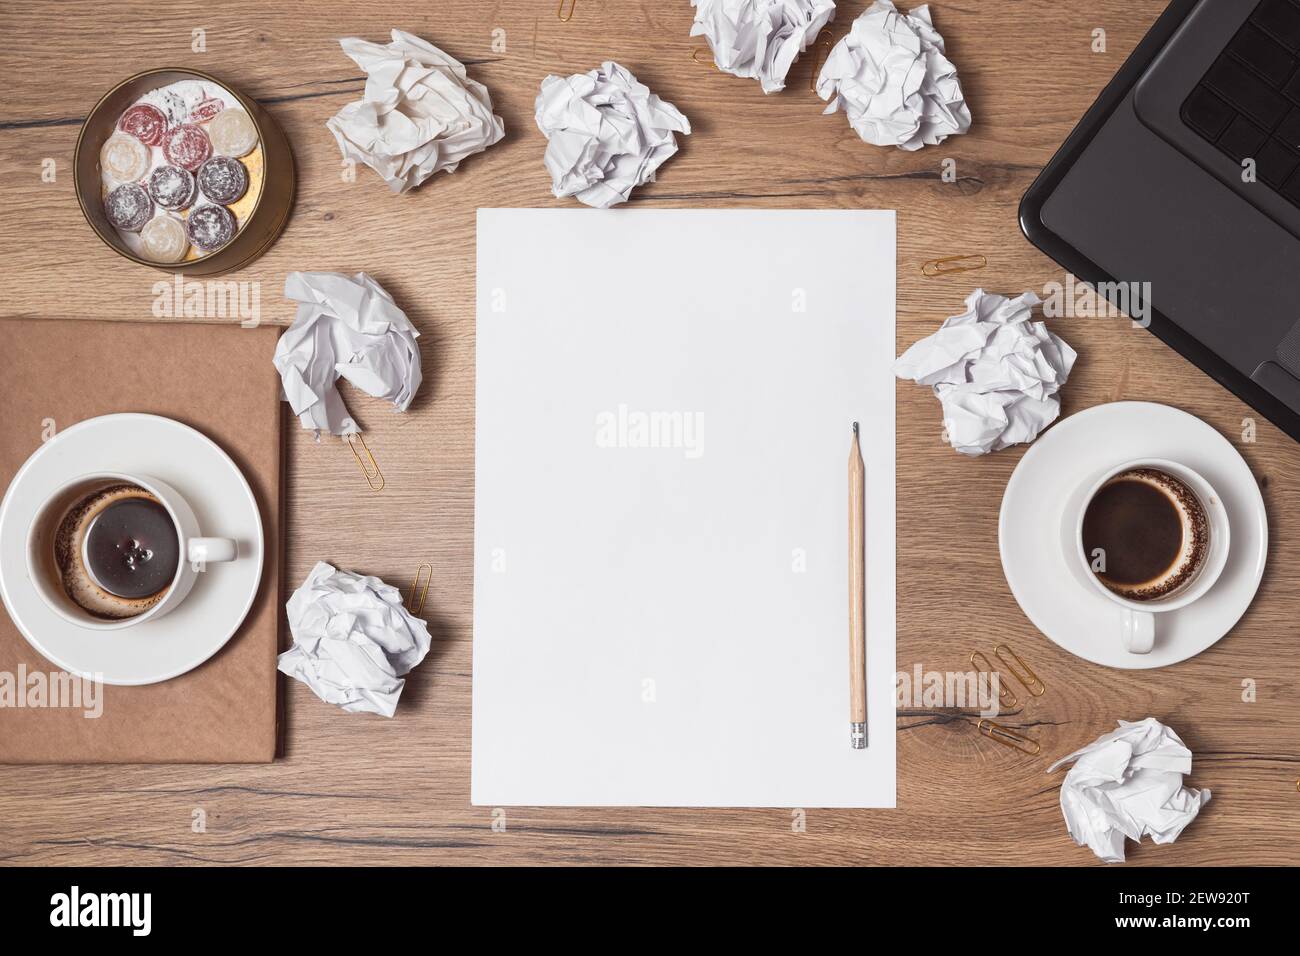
(1185, 175)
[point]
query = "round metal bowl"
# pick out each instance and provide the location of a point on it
(260, 228)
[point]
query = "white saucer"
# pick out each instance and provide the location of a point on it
(181, 640)
(1059, 468)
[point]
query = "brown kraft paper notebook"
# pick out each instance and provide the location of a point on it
(225, 710)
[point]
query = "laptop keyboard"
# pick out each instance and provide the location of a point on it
(1248, 102)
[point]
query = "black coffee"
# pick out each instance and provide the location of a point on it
(1145, 534)
(132, 550)
(1137, 528)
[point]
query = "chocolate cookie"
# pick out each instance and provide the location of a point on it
(210, 227)
(172, 187)
(129, 207)
(223, 179)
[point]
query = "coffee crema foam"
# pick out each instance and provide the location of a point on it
(69, 542)
(1180, 564)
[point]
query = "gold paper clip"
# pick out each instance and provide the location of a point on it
(374, 477)
(1032, 684)
(695, 55)
(951, 265)
(1006, 696)
(418, 594)
(572, 4)
(820, 52)
(1009, 738)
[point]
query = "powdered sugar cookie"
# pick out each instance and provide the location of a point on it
(232, 132)
(124, 158)
(163, 239)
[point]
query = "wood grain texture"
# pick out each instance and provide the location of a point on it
(364, 790)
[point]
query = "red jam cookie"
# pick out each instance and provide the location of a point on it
(206, 110)
(146, 123)
(187, 146)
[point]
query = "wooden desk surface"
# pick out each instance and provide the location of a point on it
(363, 790)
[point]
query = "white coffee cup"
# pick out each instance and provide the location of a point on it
(1137, 629)
(195, 550)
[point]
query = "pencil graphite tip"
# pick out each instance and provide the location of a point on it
(855, 428)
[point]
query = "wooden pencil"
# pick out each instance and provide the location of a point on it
(857, 596)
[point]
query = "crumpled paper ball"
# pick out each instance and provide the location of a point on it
(607, 133)
(760, 38)
(420, 113)
(353, 640)
(995, 372)
(1127, 783)
(890, 75)
(346, 326)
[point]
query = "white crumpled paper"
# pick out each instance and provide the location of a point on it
(995, 372)
(890, 75)
(353, 641)
(607, 133)
(760, 38)
(348, 326)
(420, 114)
(1127, 783)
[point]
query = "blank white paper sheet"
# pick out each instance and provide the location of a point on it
(664, 411)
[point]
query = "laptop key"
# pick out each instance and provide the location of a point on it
(1274, 163)
(1263, 55)
(1241, 139)
(1292, 188)
(1288, 130)
(1280, 18)
(1243, 104)
(1206, 113)
(1244, 90)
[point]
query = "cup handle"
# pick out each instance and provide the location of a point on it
(203, 550)
(1138, 631)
